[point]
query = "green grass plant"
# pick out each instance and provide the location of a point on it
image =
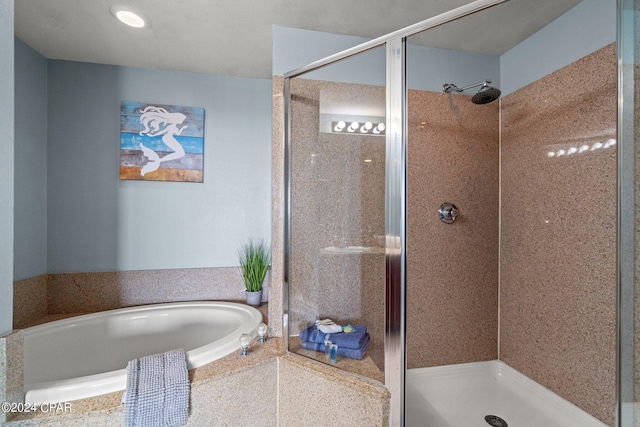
(254, 259)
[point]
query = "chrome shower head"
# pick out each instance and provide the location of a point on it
(485, 95)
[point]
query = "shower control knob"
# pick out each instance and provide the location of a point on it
(448, 213)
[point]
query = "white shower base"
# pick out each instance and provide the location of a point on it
(462, 395)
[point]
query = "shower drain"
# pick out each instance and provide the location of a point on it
(495, 421)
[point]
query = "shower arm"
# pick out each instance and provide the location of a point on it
(449, 87)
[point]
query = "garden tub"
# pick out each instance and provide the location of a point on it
(87, 356)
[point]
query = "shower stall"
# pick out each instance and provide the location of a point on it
(469, 232)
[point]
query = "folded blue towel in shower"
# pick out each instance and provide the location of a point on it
(351, 353)
(157, 391)
(352, 340)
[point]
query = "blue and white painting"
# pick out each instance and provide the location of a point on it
(161, 142)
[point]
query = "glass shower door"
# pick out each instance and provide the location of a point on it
(336, 252)
(628, 212)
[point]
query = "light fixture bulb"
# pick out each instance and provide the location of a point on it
(381, 127)
(353, 126)
(129, 16)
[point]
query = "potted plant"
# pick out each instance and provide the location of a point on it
(254, 259)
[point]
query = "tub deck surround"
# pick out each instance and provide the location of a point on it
(11, 371)
(312, 394)
(225, 367)
(269, 387)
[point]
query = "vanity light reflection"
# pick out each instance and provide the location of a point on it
(582, 149)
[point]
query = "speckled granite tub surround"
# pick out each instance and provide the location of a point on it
(11, 371)
(266, 388)
(53, 294)
(558, 233)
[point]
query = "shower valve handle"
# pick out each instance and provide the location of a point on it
(448, 213)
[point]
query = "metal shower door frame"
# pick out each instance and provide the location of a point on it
(395, 191)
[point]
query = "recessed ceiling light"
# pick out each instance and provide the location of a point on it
(129, 16)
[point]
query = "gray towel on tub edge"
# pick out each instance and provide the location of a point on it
(157, 393)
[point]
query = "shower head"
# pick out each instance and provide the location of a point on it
(484, 95)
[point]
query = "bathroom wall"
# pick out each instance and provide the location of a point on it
(429, 67)
(115, 243)
(7, 169)
(452, 269)
(30, 223)
(100, 223)
(558, 232)
(585, 28)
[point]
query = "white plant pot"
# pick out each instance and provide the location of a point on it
(254, 298)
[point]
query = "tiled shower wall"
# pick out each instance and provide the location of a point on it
(558, 232)
(452, 269)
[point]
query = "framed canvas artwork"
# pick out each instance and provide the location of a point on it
(161, 142)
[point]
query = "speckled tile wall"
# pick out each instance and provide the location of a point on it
(277, 208)
(452, 269)
(11, 371)
(29, 300)
(97, 291)
(558, 232)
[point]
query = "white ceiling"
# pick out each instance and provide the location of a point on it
(233, 37)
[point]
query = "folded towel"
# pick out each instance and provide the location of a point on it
(353, 339)
(330, 329)
(328, 326)
(351, 353)
(157, 391)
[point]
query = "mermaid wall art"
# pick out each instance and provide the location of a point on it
(161, 142)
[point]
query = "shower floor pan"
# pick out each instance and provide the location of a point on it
(463, 395)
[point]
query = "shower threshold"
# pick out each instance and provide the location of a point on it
(463, 395)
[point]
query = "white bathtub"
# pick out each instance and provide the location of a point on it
(87, 355)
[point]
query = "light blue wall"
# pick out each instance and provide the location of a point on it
(430, 68)
(294, 48)
(7, 168)
(98, 223)
(585, 28)
(427, 68)
(30, 222)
